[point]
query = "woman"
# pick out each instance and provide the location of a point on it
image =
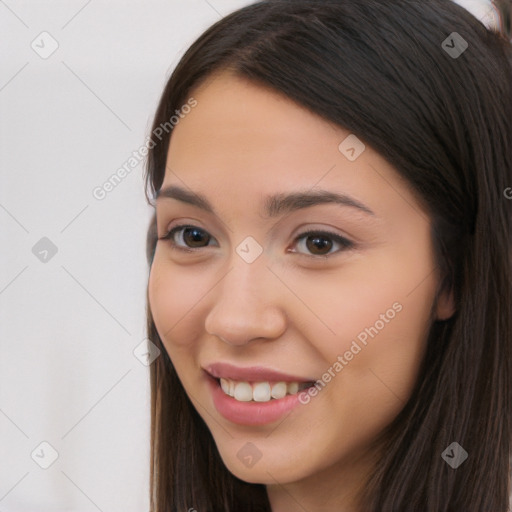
(330, 275)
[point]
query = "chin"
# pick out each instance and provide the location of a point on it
(265, 470)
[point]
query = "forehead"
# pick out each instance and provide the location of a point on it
(253, 141)
(242, 114)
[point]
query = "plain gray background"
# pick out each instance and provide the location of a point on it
(70, 320)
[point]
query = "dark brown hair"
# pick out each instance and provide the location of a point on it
(444, 121)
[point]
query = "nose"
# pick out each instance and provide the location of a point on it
(247, 304)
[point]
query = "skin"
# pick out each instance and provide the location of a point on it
(292, 310)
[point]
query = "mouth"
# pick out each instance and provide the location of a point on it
(254, 403)
(244, 391)
(254, 396)
(255, 383)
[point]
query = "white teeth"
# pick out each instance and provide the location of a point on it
(243, 392)
(292, 388)
(259, 391)
(224, 384)
(279, 390)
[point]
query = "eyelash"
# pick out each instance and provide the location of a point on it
(345, 244)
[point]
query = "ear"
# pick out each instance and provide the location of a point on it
(445, 305)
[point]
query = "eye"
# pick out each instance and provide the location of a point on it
(317, 242)
(189, 234)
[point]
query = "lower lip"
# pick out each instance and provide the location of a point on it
(250, 413)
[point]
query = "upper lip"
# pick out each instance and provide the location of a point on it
(250, 373)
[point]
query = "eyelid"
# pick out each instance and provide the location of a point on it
(344, 242)
(176, 229)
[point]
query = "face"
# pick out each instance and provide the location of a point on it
(272, 295)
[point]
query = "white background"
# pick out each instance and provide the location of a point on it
(69, 325)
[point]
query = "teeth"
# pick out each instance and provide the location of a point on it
(292, 387)
(279, 390)
(224, 384)
(243, 392)
(259, 391)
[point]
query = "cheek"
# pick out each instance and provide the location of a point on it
(174, 294)
(374, 299)
(378, 316)
(378, 381)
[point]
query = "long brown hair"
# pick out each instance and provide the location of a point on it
(382, 71)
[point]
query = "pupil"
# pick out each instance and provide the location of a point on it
(196, 235)
(317, 244)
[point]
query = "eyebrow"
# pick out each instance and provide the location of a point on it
(274, 205)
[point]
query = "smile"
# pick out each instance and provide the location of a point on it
(244, 391)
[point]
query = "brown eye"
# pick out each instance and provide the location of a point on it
(320, 243)
(191, 237)
(317, 243)
(194, 237)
